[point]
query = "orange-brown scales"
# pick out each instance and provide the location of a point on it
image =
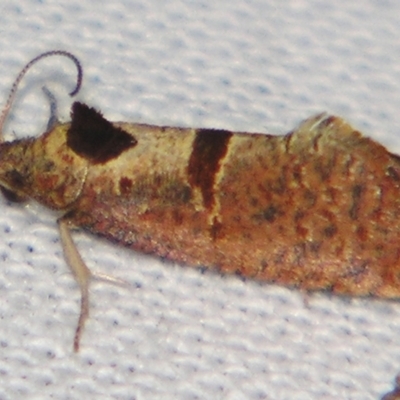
(315, 209)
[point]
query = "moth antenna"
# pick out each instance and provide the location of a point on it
(53, 120)
(14, 87)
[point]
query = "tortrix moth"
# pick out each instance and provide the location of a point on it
(315, 209)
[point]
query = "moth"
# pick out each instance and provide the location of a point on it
(316, 209)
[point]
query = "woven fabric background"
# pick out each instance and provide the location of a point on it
(252, 65)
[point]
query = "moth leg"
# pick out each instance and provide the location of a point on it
(110, 279)
(81, 273)
(53, 119)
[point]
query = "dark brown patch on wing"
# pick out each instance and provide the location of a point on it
(209, 148)
(330, 231)
(270, 214)
(93, 137)
(356, 195)
(125, 185)
(216, 229)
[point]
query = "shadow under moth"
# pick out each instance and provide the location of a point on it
(315, 209)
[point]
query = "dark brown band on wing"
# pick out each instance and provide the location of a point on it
(209, 148)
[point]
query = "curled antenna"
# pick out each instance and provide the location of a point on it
(11, 97)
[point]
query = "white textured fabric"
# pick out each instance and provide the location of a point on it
(252, 65)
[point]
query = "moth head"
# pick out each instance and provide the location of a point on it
(16, 175)
(42, 168)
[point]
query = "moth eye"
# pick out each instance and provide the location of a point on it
(15, 179)
(12, 196)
